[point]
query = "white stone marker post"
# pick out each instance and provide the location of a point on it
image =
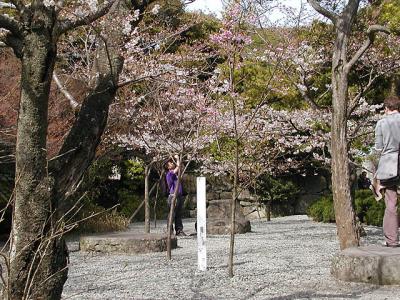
(201, 224)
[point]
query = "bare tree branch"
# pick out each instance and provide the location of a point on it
(323, 11)
(18, 4)
(6, 5)
(10, 24)
(92, 117)
(355, 102)
(74, 104)
(372, 31)
(66, 25)
(350, 11)
(10, 40)
(139, 79)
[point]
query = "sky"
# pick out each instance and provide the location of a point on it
(215, 6)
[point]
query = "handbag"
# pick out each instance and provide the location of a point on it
(390, 169)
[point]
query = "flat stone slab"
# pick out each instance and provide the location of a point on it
(126, 243)
(370, 264)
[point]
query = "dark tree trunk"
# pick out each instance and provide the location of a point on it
(38, 255)
(269, 210)
(34, 254)
(146, 200)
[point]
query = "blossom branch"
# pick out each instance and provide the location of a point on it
(67, 25)
(355, 102)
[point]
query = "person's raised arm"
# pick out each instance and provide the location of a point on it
(178, 164)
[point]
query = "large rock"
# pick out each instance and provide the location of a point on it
(218, 218)
(254, 211)
(126, 243)
(370, 264)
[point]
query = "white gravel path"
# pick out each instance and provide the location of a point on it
(287, 258)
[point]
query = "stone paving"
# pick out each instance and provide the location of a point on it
(287, 258)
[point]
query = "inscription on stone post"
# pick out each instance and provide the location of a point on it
(201, 224)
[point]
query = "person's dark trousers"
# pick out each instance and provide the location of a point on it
(177, 213)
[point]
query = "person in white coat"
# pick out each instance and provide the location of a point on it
(387, 142)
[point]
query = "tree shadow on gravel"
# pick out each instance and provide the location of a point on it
(285, 222)
(374, 236)
(317, 295)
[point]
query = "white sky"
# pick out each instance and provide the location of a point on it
(212, 6)
(215, 6)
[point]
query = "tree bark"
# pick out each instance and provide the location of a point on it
(38, 253)
(35, 254)
(269, 210)
(233, 207)
(38, 258)
(344, 211)
(146, 200)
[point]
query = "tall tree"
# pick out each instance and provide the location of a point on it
(38, 255)
(341, 67)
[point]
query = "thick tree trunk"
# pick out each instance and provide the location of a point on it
(35, 254)
(344, 211)
(38, 253)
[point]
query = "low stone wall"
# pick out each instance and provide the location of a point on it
(126, 243)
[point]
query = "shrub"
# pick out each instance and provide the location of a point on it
(322, 210)
(103, 220)
(368, 210)
(282, 194)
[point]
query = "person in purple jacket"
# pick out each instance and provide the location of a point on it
(172, 181)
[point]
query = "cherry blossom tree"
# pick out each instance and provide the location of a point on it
(170, 117)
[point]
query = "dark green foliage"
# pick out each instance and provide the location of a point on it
(368, 210)
(101, 192)
(282, 194)
(322, 210)
(131, 189)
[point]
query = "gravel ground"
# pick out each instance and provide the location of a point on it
(287, 258)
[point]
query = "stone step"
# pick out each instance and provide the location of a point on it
(370, 264)
(126, 243)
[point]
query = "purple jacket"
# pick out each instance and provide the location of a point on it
(172, 179)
